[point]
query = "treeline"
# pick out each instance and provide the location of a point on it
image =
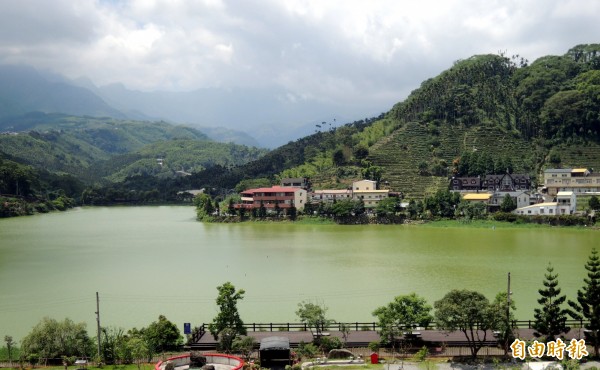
(53, 342)
(556, 97)
(25, 190)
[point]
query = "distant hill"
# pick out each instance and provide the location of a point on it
(23, 90)
(93, 148)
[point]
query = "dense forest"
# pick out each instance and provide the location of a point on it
(485, 114)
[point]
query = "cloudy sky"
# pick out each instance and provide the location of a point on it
(352, 52)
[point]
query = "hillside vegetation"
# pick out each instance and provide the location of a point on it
(484, 114)
(104, 148)
(499, 112)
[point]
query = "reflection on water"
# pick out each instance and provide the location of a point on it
(147, 261)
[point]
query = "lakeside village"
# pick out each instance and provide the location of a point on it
(502, 197)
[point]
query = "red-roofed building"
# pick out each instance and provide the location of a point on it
(284, 196)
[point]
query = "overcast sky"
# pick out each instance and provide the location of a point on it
(344, 51)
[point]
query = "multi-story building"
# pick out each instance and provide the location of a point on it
(507, 182)
(580, 181)
(283, 196)
(465, 183)
(566, 204)
(328, 196)
(366, 190)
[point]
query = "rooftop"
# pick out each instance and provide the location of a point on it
(477, 196)
(558, 170)
(564, 194)
(274, 189)
(547, 204)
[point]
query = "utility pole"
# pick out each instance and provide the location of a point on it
(508, 324)
(508, 293)
(98, 321)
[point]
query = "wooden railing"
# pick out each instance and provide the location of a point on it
(367, 326)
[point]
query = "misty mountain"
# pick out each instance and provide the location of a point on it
(271, 115)
(23, 90)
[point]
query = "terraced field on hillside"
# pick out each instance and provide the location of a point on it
(401, 153)
(584, 155)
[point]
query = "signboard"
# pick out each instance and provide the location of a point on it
(187, 328)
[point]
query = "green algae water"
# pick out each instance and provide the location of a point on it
(148, 261)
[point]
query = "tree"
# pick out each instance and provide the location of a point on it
(360, 152)
(244, 346)
(387, 206)
(400, 315)
(54, 339)
(204, 206)
(508, 204)
(338, 158)
(228, 319)
(588, 300)
(113, 344)
(292, 212)
(162, 335)
(467, 311)
(372, 172)
(314, 316)
(550, 319)
(262, 211)
(503, 315)
(139, 350)
(9, 345)
(231, 207)
(594, 203)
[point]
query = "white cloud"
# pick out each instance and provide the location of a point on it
(351, 52)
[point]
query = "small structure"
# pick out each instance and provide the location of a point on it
(217, 360)
(478, 197)
(275, 353)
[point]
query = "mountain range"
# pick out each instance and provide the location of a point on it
(484, 114)
(266, 117)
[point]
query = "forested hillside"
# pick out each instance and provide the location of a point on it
(104, 150)
(485, 114)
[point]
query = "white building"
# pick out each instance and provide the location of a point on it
(366, 190)
(328, 196)
(543, 209)
(578, 180)
(566, 204)
(521, 198)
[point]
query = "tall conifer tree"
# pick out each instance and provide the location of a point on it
(550, 319)
(588, 301)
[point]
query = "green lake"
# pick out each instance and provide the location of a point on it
(147, 261)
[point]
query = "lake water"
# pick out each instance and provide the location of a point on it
(147, 261)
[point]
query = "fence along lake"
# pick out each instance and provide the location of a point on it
(148, 261)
